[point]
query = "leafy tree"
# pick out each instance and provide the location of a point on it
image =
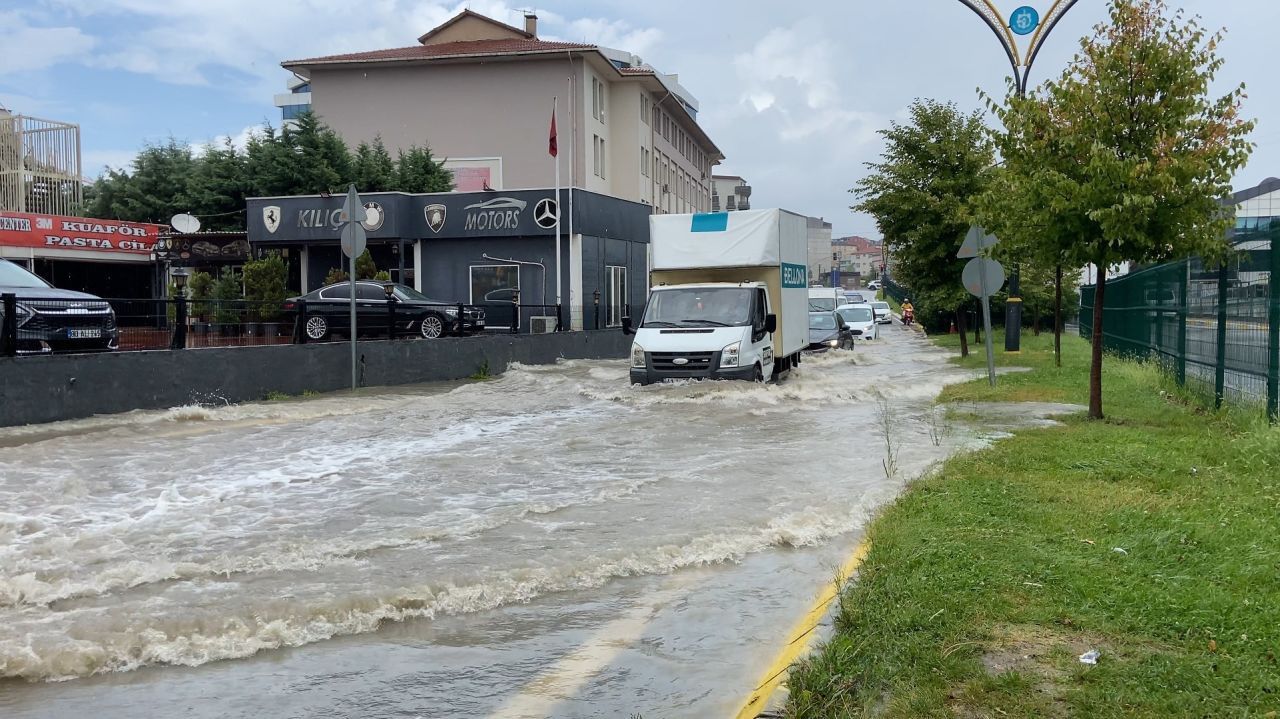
(416, 171)
(226, 290)
(266, 285)
(932, 169)
(372, 167)
(157, 188)
(1125, 156)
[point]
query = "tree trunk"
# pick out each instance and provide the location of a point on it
(1095, 365)
(1057, 317)
(964, 332)
(1035, 322)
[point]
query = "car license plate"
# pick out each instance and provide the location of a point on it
(92, 333)
(479, 323)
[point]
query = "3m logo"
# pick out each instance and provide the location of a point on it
(794, 275)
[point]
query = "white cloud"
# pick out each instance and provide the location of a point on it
(24, 47)
(239, 141)
(95, 162)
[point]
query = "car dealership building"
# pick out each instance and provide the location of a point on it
(483, 248)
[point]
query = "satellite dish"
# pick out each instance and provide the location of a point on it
(184, 223)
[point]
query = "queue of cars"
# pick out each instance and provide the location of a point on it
(839, 318)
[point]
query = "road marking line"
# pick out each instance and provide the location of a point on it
(801, 637)
(563, 680)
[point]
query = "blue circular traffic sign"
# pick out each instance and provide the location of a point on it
(1024, 20)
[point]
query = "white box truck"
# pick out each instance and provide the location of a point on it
(728, 299)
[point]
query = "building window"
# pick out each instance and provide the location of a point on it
(495, 287)
(603, 158)
(595, 99)
(595, 152)
(644, 110)
(644, 161)
(291, 112)
(615, 295)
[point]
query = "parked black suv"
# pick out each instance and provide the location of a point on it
(54, 320)
(329, 311)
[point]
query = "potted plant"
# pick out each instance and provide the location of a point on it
(200, 287)
(226, 292)
(265, 290)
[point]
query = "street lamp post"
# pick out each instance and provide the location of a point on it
(1022, 21)
(595, 299)
(179, 338)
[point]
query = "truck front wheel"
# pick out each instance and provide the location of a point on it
(759, 375)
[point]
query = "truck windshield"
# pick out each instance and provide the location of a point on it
(822, 304)
(699, 307)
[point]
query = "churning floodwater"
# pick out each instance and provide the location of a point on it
(552, 542)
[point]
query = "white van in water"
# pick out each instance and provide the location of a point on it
(728, 297)
(825, 299)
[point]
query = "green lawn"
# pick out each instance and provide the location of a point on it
(1152, 537)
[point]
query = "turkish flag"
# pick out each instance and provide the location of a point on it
(552, 147)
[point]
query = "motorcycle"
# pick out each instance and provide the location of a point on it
(908, 316)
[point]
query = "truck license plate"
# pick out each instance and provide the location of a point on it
(84, 334)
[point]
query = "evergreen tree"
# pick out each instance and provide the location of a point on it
(416, 171)
(313, 158)
(373, 170)
(365, 267)
(219, 187)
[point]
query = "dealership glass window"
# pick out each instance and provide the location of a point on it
(615, 295)
(495, 283)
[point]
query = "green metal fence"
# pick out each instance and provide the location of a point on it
(1216, 328)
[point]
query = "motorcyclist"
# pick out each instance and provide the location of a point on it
(908, 311)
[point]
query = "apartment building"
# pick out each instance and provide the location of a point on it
(479, 93)
(820, 260)
(730, 192)
(858, 255)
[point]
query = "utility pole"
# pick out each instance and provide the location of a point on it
(1023, 21)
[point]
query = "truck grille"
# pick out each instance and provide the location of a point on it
(694, 361)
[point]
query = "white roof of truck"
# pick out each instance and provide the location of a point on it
(742, 238)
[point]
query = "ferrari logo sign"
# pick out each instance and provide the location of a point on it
(434, 215)
(271, 218)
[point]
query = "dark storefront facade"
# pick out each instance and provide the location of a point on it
(477, 247)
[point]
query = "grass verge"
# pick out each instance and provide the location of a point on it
(1151, 537)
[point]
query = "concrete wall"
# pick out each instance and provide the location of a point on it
(47, 389)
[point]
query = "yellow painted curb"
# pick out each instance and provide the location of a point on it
(800, 638)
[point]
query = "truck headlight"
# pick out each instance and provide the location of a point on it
(729, 355)
(637, 355)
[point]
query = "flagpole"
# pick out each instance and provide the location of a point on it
(556, 159)
(573, 140)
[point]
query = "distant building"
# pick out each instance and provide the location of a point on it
(859, 255)
(729, 193)
(479, 93)
(294, 102)
(820, 256)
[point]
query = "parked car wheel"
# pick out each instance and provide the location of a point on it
(432, 327)
(316, 327)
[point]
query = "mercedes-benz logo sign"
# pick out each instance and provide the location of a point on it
(546, 212)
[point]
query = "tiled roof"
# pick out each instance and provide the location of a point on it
(859, 244)
(468, 48)
(636, 70)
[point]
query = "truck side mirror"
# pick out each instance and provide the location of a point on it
(627, 329)
(771, 323)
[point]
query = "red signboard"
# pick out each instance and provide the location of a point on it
(58, 232)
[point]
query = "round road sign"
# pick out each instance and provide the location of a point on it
(982, 277)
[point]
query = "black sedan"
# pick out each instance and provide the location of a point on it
(52, 320)
(328, 311)
(828, 331)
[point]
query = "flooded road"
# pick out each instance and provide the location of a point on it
(552, 542)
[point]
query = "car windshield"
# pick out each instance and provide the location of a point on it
(881, 305)
(856, 314)
(822, 321)
(822, 304)
(12, 275)
(699, 307)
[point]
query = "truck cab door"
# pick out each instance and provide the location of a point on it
(761, 336)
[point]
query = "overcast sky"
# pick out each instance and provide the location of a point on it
(793, 93)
